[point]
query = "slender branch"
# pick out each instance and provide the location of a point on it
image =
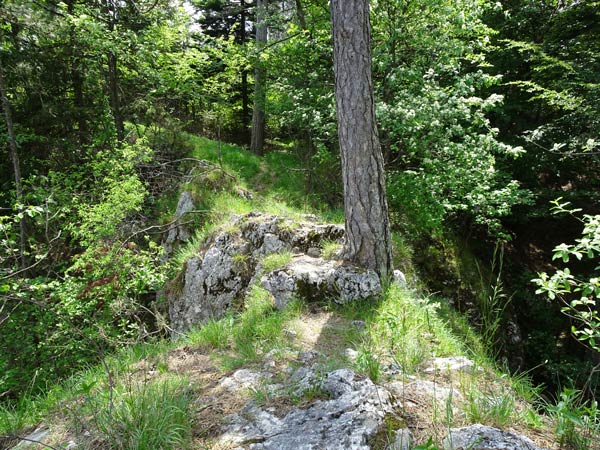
(272, 44)
(171, 225)
(25, 269)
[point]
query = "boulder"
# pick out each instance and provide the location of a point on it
(316, 278)
(353, 413)
(480, 437)
(229, 262)
(209, 284)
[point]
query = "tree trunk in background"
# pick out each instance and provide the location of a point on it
(115, 101)
(368, 241)
(77, 81)
(300, 15)
(260, 78)
(113, 73)
(244, 75)
(14, 156)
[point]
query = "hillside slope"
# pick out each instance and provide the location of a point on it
(399, 371)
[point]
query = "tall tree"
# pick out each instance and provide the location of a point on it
(257, 138)
(14, 157)
(368, 241)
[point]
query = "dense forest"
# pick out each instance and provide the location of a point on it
(488, 117)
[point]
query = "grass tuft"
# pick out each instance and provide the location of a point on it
(276, 261)
(409, 329)
(146, 416)
(331, 249)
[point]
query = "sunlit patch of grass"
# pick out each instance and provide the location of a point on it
(275, 260)
(331, 249)
(246, 336)
(407, 329)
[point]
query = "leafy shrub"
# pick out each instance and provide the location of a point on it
(579, 294)
(577, 422)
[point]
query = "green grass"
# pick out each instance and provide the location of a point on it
(143, 415)
(274, 173)
(410, 331)
(491, 408)
(276, 261)
(330, 249)
(244, 338)
(30, 409)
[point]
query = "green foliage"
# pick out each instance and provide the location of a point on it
(548, 57)
(98, 298)
(577, 422)
(433, 112)
(578, 294)
(275, 261)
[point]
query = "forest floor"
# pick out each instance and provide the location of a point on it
(221, 383)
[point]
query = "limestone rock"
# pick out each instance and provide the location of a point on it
(313, 278)
(228, 261)
(480, 437)
(451, 364)
(355, 283)
(209, 285)
(403, 440)
(33, 438)
(179, 232)
(415, 392)
(243, 379)
(399, 278)
(346, 421)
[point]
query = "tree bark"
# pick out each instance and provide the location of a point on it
(115, 101)
(244, 75)
(113, 74)
(300, 15)
(368, 241)
(257, 139)
(14, 157)
(77, 81)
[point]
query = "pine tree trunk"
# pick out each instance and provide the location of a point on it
(260, 78)
(368, 242)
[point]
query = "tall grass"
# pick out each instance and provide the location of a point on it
(145, 416)
(410, 330)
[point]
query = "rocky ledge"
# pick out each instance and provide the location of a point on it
(230, 261)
